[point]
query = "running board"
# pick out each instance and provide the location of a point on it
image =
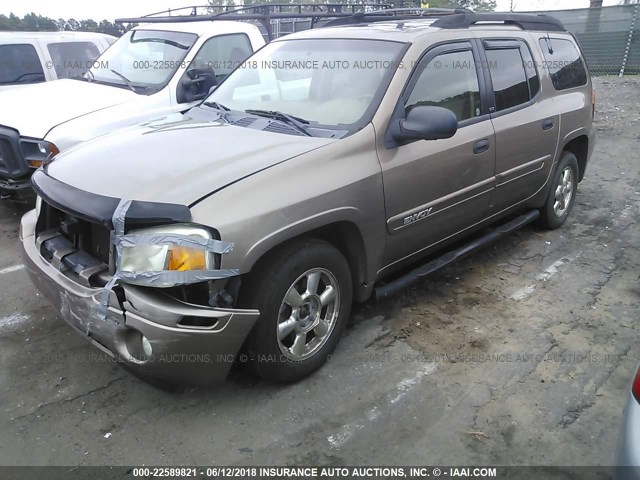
(416, 275)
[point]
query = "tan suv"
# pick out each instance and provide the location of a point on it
(321, 170)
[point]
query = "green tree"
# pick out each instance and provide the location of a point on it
(218, 3)
(37, 23)
(88, 26)
(30, 23)
(72, 24)
(10, 23)
(475, 5)
(105, 26)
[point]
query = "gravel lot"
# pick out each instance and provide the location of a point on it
(519, 355)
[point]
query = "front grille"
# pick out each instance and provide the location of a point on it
(5, 153)
(12, 164)
(75, 246)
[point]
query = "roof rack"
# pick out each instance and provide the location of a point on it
(256, 12)
(261, 13)
(395, 14)
(335, 14)
(522, 20)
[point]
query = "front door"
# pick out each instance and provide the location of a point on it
(436, 188)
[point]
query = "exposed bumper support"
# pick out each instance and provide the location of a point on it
(181, 354)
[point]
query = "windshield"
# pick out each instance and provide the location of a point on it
(328, 83)
(142, 60)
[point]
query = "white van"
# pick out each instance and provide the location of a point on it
(34, 57)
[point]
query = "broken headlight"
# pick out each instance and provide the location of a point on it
(36, 152)
(167, 257)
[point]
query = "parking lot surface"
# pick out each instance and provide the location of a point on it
(518, 355)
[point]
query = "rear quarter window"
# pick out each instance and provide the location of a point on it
(563, 61)
(72, 59)
(20, 64)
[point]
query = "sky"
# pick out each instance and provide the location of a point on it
(112, 9)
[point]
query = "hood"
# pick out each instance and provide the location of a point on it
(33, 110)
(178, 159)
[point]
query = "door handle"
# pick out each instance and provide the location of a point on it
(547, 123)
(481, 146)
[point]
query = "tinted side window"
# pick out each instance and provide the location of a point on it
(19, 63)
(510, 83)
(564, 63)
(530, 69)
(72, 59)
(449, 80)
(223, 54)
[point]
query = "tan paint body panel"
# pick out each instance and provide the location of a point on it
(270, 187)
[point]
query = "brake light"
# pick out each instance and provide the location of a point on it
(593, 104)
(635, 388)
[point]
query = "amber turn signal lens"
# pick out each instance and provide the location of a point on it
(35, 163)
(53, 150)
(183, 258)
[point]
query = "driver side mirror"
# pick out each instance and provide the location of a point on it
(196, 84)
(425, 122)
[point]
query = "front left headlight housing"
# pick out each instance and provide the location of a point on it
(36, 152)
(169, 257)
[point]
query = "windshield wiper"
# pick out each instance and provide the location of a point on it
(299, 123)
(126, 80)
(217, 106)
(222, 109)
(19, 78)
(84, 77)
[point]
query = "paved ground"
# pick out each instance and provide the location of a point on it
(521, 354)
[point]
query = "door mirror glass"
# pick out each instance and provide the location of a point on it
(196, 84)
(425, 122)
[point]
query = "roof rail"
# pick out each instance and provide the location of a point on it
(524, 21)
(394, 14)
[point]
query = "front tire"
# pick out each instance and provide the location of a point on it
(562, 194)
(303, 292)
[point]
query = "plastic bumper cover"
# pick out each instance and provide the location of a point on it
(179, 354)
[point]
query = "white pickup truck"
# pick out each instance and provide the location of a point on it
(151, 71)
(34, 57)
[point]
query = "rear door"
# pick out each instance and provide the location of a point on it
(436, 188)
(525, 126)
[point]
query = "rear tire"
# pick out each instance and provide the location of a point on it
(303, 292)
(562, 193)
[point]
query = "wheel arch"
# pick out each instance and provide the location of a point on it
(579, 146)
(345, 235)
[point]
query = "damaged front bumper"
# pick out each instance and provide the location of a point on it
(15, 174)
(17, 190)
(179, 352)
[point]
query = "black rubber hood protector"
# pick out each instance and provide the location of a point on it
(99, 209)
